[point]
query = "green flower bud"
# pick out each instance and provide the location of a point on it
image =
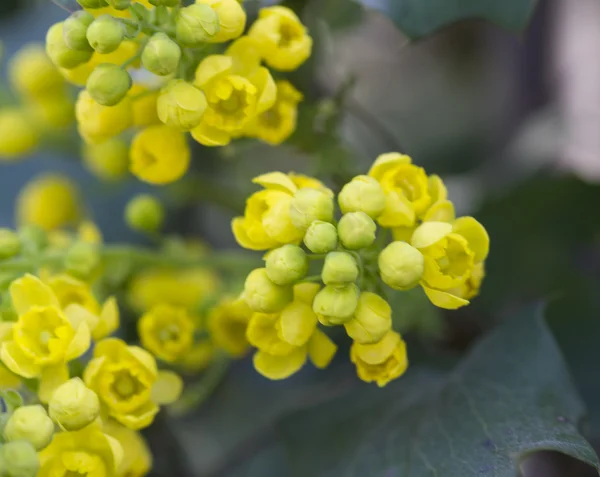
(73, 405)
(401, 265)
(75, 30)
(18, 459)
(10, 244)
(196, 25)
(372, 319)
(82, 260)
(108, 84)
(161, 55)
(309, 205)
(119, 4)
(58, 51)
(92, 4)
(362, 194)
(181, 105)
(286, 265)
(356, 230)
(321, 237)
(32, 424)
(339, 268)
(144, 213)
(105, 34)
(33, 238)
(335, 305)
(262, 295)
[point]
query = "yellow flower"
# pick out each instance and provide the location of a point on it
(32, 73)
(181, 105)
(127, 381)
(19, 136)
(159, 155)
(232, 19)
(236, 90)
(137, 459)
(144, 106)
(283, 40)
(380, 362)
(277, 123)
(98, 123)
(167, 331)
(199, 357)
(227, 323)
(43, 339)
(85, 452)
(372, 319)
(267, 222)
(8, 379)
(185, 288)
(50, 201)
(108, 160)
(451, 253)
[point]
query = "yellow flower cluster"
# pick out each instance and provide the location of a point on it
(350, 255)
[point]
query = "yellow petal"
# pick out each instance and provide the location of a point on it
(429, 233)
(116, 450)
(112, 348)
(297, 323)
(476, 235)
(403, 234)
(444, 300)
(398, 211)
(77, 315)
(377, 353)
(437, 188)
(238, 226)
(210, 136)
(141, 418)
(277, 181)
(15, 360)
(167, 388)
(109, 319)
(245, 52)
(52, 377)
(306, 292)
(321, 349)
(29, 291)
(212, 67)
(8, 380)
(92, 369)
(80, 342)
(6, 328)
(267, 90)
(279, 367)
(442, 211)
(385, 162)
(144, 358)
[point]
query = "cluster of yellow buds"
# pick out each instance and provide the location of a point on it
(152, 65)
(337, 278)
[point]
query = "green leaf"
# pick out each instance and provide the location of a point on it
(512, 396)
(420, 18)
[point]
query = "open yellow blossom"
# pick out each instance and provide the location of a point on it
(32, 74)
(85, 452)
(380, 362)
(283, 40)
(227, 323)
(128, 383)
(49, 201)
(267, 222)
(43, 339)
(167, 331)
(278, 123)
(159, 155)
(232, 19)
(137, 459)
(98, 123)
(19, 136)
(453, 252)
(236, 90)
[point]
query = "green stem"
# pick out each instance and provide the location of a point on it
(311, 278)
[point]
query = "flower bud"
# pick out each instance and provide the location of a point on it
(372, 319)
(144, 213)
(73, 405)
(19, 135)
(356, 230)
(401, 265)
(232, 19)
(339, 268)
(18, 459)
(32, 424)
(161, 55)
(309, 205)
(33, 74)
(92, 4)
(181, 105)
(108, 160)
(286, 265)
(58, 51)
(108, 84)
(362, 194)
(105, 34)
(321, 237)
(10, 244)
(335, 305)
(119, 4)
(75, 31)
(33, 238)
(196, 25)
(82, 260)
(262, 295)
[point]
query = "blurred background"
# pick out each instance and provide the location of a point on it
(512, 124)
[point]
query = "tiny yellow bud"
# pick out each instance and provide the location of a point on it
(401, 265)
(82, 260)
(161, 55)
(340, 268)
(105, 34)
(321, 237)
(232, 19)
(196, 24)
(31, 424)
(372, 319)
(286, 265)
(335, 305)
(58, 51)
(19, 135)
(108, 160)
(362, 194)
(19, 459)
(108, 84)
(75, 31)
(262, 295)
(145, 213)
(92, 4)
(181, 105)
(10, 244)
(33, 74)
(356, 230)
(73, 405)
(309, 205)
